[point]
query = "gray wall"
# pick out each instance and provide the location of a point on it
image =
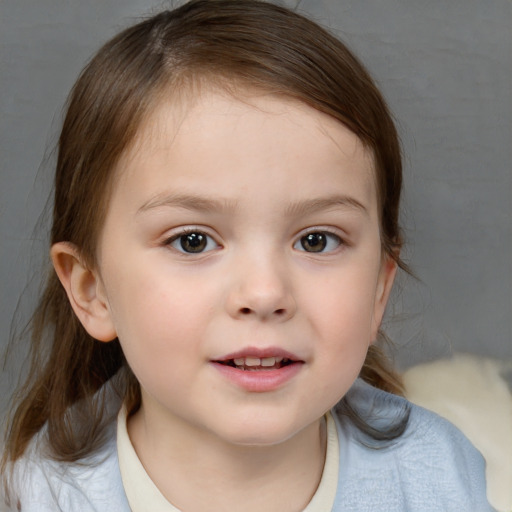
(446, 69)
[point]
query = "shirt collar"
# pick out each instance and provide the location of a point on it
(144, 496)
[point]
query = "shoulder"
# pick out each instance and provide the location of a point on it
(41, 484)
(431, 466)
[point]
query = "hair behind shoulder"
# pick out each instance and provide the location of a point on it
(246, 42)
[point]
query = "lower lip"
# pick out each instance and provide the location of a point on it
(259, 381)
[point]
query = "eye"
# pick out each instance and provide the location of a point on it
(192, 242)
(318, 241)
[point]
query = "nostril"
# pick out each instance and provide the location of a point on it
(249, 311)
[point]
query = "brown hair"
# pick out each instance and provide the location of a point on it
(239, 41)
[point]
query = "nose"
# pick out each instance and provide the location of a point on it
(261, 290)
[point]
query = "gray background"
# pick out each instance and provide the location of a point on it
(446, 70)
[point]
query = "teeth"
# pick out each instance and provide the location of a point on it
(256, 361)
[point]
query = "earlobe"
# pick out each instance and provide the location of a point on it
(84, 290)
(384, 285)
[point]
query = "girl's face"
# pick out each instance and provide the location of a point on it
(241, 265)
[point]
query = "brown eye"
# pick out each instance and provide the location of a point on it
(193, 242)
(318, 241)
(314, 242)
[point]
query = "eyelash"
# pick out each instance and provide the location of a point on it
(179, 238)
(203, 241)
(330, 237)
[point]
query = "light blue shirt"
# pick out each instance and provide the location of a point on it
(431, 467)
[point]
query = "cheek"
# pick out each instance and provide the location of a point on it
(342, 318)
(159, 334)
(156, 312)
(345, 304)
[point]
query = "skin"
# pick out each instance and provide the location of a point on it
(257, 174)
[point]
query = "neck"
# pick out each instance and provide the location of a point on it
(197, 471)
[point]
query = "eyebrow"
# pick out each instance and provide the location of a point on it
(325, 203)
(188, 202)
(208, 205)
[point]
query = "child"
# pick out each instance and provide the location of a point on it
(225, 238)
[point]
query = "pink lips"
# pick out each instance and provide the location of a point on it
(260, 353)
(259, 370)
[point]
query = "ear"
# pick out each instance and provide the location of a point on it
(85, 291)
(384, 285)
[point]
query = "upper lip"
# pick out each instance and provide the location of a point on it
(259, 353)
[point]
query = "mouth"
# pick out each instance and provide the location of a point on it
(257, 363)
(259, 370)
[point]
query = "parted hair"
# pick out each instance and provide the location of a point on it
(251, 43)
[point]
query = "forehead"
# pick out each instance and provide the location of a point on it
(268, 136)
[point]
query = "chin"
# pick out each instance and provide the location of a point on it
(261, 433)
